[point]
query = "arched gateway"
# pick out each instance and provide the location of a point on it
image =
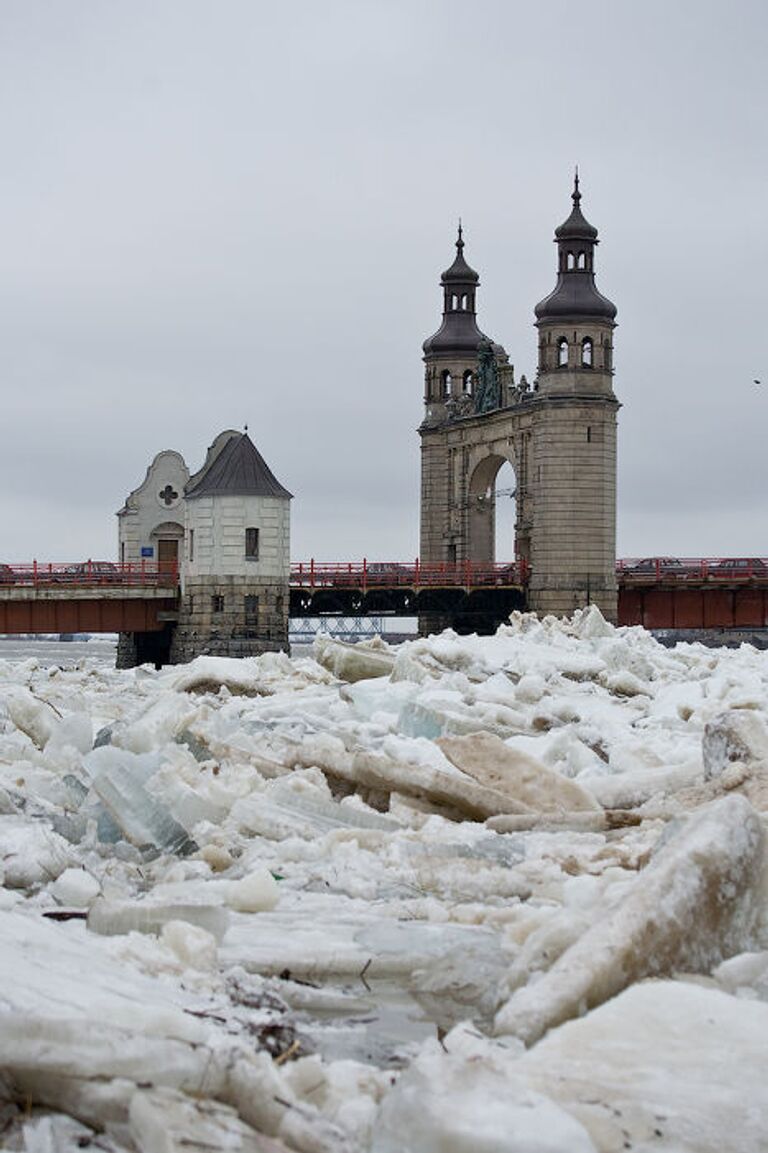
(559, 434)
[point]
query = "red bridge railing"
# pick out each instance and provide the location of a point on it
(91, 572)
(392, 574)
(649, 570)
(641, 570)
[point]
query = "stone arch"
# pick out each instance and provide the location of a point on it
(481, 506)
(169, 528)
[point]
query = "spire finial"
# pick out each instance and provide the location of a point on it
(576, 194)
(460, 241)
(245, 427)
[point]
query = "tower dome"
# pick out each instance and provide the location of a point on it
(459, 333)
(460, 272)
(575, 295)
(576, 227)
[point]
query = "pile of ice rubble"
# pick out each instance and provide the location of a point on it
(486, 894)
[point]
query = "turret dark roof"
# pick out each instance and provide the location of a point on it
(575, 296)
(238, 470)
(576, 227)
(460, 272)
(459, 333)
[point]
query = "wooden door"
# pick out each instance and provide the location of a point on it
(167, 555)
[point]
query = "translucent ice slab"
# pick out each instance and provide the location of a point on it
(112, 918)
(313, 937)
(143, 819)
(282, 811)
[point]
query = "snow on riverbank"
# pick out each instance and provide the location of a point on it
(503, 893)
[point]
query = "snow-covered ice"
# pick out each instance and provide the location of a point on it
(502, 893)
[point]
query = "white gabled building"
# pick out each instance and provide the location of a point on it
(151, 522)
(228, 528)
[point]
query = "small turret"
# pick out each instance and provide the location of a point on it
(575, 295)
(451, 354)
(575, 321)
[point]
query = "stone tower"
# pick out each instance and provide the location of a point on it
(573, 548)
(450, 377)
(236, 568)
(559, 435)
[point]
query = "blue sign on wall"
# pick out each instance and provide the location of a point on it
(147, 550)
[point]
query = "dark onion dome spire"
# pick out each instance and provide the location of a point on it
(576, 227)
(238, 470)
(460, 272)
(576, 296)
(458, 334)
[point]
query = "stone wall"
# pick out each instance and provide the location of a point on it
(573, 546)
(231, 616)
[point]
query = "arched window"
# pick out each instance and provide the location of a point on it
(581, 261)
(447, 382)
(454, 303)
(466, 382)
(464, 302)
(570, 261)
(562, 353)
(586, 352)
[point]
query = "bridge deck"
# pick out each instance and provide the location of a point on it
(657, 592)
(88, 597)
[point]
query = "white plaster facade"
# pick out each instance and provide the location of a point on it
(154, 511)
(215, 543)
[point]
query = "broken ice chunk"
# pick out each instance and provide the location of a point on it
(353, 662)
(143, 820)
(199, 749)
(254, 893)
(195, 947)
(449, 1101)
(515, 774)
(74, 731)
(666, 1065)
(186, 804)
(30, 854)
(447, 713)
(745, 975)
(699, 901)
(107, 757)
(112, 918)
(165, 1121)
(76, 790)
(75, 887)
(30, 714)
(57, 1133)
(104, 736)
(106, 830)
(736, 735)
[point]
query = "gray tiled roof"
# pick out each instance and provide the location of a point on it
(238, 470)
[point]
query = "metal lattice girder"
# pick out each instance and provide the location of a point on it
(341, 628)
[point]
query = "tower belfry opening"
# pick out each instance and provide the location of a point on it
(558, 435)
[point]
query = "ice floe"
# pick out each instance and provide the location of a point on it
(464, 893)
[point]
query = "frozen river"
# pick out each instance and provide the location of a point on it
(64, 653)
(502, 894)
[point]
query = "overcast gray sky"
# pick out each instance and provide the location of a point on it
(219, 211)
